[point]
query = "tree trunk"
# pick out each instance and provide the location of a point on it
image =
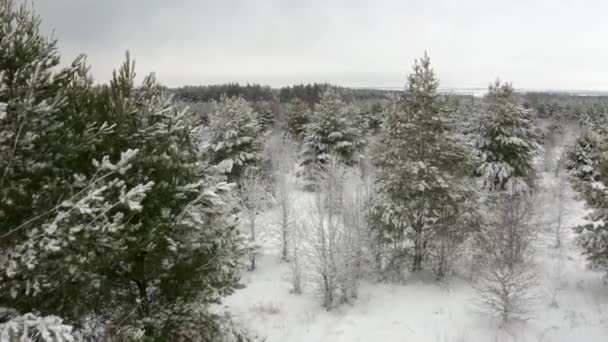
(558, 228)
(418, 249)
(441, 268)
(144, 304)
(142, 286)
(285, 246)
(252, 239)
(327, 295)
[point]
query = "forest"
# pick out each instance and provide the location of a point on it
(133, 211)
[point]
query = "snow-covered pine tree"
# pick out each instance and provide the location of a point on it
(333, 130)
(233, 141)
(44, 128)
(588, 165)
(140, 237)
(583, 157)
(181, 250)
(507, 142)
(421, 170)
(30, 328)
(265, 113)
(373, 116)
(297, 115)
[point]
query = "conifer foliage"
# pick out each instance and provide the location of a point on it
(588, 165)
(233, 142)
(42, 128)
(104, 199)
(508, 141)
(421, 175)
(583, 158)
(332, 131)
(297, 116)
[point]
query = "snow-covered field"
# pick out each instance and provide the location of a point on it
(572, 300)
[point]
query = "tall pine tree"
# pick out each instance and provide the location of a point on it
(44, 128)
(421, 169)
(104, 198)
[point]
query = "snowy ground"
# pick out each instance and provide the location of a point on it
(572, 305)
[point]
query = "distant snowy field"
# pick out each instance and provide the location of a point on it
(572, 304)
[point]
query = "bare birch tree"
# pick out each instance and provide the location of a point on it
(356, 240)
(559, 196)
(281, 152)
(319, 248)
(321, 245)
(335, 237)
(295, 263)
(284, 202)
(252, 199)
(506, 281)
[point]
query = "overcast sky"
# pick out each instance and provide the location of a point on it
(538, 44)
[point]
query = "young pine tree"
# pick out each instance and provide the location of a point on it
(46, 135)
(421, 169)
(584, 156)
(373, 117)
(233, 142)
(507, 141)
(588, 164)
(297, 116)
(333, 130)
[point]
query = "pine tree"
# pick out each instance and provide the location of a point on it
(588, 165)
(44, 131)
(297, 116)
(266, 114)
(104, 199)
(30, 327)
(333, 131)
(421, 169)
(583, 158)
(374, 116)
(507, 141)
(233, 142)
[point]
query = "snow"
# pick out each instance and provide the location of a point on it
(572, 306)
(417, 310)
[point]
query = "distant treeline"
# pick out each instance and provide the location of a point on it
(309, 93)
(206, 93)
(564, 105)
(546, 105)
